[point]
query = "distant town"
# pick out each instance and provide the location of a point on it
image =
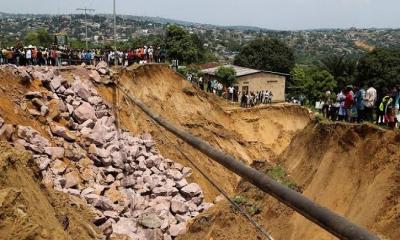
(224, 41)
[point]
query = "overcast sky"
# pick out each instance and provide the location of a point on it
(273, 14)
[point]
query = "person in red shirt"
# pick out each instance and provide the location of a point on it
(34, 56)
(349, 102)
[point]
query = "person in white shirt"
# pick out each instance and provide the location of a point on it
(28, 57)
(265, 97)
(220, 88)
(150, 50)
(369, 103)
(230, 91)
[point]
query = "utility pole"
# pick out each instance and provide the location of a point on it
(86, 10)
(115, 35)
(115, 28)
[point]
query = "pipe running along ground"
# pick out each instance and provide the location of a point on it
(325, 218)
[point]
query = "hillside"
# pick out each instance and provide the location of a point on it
(224, 41)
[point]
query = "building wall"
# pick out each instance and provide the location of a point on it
(264, 81)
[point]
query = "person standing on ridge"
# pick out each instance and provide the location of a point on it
(369, 103)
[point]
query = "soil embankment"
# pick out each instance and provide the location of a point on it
(28, 210)
(351, 169)
(73, 138)
(359, 162)
(204, 115)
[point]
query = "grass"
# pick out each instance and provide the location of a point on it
(249, 200)
(252, 207)
(240, 200)
(279, 174)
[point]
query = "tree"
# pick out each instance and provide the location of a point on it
(180, 45)
(77, 44)
(227, 75)
(266, 54)
(380, 68)
(31, 38)
(296, 83)
(40, 37)
(44, 38)
(317, 83)
(298, 75)
(342, 67)
(193, 70)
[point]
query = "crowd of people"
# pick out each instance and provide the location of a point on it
(250, 99)
(211, 86)
(359, 104)
(247, 99)
(64, 56)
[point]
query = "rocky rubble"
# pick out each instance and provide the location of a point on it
(134, 191)
(98, 74)
(24, 75)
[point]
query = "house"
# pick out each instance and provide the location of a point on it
(253, 80)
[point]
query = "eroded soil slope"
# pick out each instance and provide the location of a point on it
(30, 211)
(358, 169)
(351, 169)
(79, 150)
(241, 134)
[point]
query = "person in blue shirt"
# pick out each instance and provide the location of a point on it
(397, 105)
(359, 103)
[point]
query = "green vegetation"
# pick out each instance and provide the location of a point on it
(341, 67)
(40, 37)
(227, 75)
(185, 47)
(279, 174)
(250, 206)
(312, 82)
(192, 69)
(266, 54)
(317, 83)
(380, 68)
(149, 40)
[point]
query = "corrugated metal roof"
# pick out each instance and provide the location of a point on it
(240, 71)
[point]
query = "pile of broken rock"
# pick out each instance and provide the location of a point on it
(134, 191)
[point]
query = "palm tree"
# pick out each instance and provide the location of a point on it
(342, 68)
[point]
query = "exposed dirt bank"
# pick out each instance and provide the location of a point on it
(28, 210)
(351, 169)
(241, 134)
